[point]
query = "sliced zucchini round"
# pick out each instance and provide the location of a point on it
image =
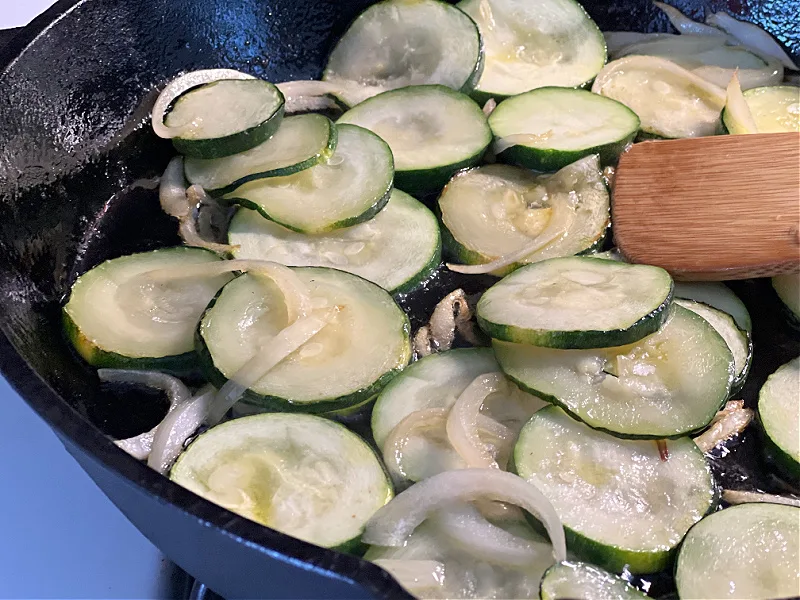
(299, 143)
(667, 385)
(670, 101)
(622, 506)
(535, 44)
(775, 109)
(303, 475)
(550, 127)
(349, 187)
(435, 381)
(114, 321)
(432, 130)
(398, 249)
(396, 43)
(738, 340)
(718, 295)
(745, 551)
(230, 116)
(582, 581)
(346, 363)
(788, 289)
(577, 302)
(495, 210)
(779, 411)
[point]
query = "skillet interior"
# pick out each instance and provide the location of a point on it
(74, 103)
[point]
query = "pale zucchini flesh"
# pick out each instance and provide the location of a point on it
(779, 411)
(494, 210)
(745, 551)
(775, 109)
(347, 188)
(347, 362)
(548, 128)
(582, 581)
(535, 44)
(397, 43)
(229, 116)
(670, 101)
(303, 475)
(398, 248)
(667, 385)
(113, 320)
(299, 143)
(622, 505)
(432, 130)
(576, 302)
(718, 295)
(788, 289)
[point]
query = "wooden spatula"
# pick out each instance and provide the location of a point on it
(715, 208)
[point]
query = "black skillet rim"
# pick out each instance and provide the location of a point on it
(68, 423)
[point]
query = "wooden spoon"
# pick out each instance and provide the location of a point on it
(711, 209)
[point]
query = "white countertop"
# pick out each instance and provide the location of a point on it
(60, 537)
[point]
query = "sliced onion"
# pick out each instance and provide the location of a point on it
(686, 25)
(267, 357)
(295, 292)
(172, 190)
(396, 521)
(738, 497)
(752, 36)
(737, 108)
(178, 426)
(462, 422)
(197, 196)
(450, 314)
(180, 85)
(618, 40)
(465, 526)
(730, 421)
(416, 576)
(140, 446)
(314, 95)
(556, 229)
(489, 107)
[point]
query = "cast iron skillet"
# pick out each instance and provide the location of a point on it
(75, 91)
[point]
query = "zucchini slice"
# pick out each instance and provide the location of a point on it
(667, 385)
(432, 130)
(398, 249)
(435, 381)
(113, 321)
(775, 109)
(779, 411)
(788, 289)
(230, 116)
(717, 295)
(535, 44)
(303, 475)
(670, 101)
(495, 210)
(396, 43)
(582, 581)
(577, 302)
(346, 363)
(739, 341)
(299, 143)
(745, 551)
(621, 505)
(550, 127)
(348, 188)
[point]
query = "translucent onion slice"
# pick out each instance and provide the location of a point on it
(462, 422)
(466, 527)
(419, 577)
(730, 421)
(140, 446)
(618, 40)
(739, 497)
(686, 25)
(396, 521)
(315, 95)
(751, 36)
(560, 221)
(267, 356)
(177, 427)
(737, 109)
(178, 86)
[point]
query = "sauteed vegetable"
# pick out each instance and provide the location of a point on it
(548, 437)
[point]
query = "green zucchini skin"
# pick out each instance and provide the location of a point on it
(231, 144)
(420, 182)
(553, 160)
